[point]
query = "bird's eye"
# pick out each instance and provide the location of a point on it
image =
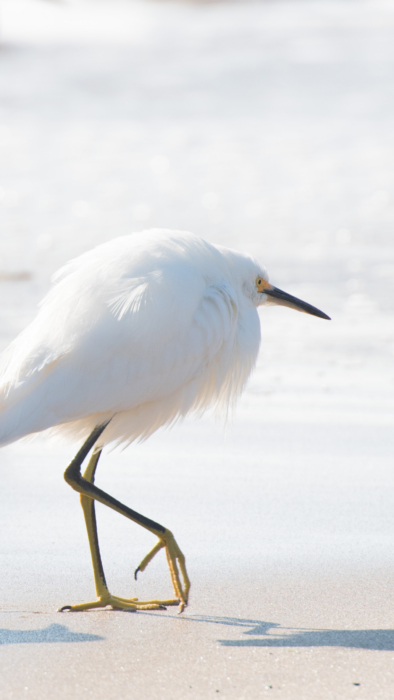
(259, 282)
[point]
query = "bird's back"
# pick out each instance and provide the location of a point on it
(143, 328)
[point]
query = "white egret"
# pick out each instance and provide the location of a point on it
(134, 335)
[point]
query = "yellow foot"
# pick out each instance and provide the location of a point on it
(175, 559)
(131, 604)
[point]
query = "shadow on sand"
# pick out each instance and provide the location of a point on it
(51, 634)
(271, 634)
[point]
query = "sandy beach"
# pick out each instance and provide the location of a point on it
(267, 127)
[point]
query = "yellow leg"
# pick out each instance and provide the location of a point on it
(88, 494)
(174, 555)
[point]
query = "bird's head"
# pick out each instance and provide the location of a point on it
(253, 279)
(267, 294)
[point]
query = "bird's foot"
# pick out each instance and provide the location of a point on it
(116, 603)
(176, 563)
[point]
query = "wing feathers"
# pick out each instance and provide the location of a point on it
(146, 328)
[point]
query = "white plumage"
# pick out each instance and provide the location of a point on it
(134, 335)
(143, 330)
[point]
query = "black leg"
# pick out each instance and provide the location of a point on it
(90, 493)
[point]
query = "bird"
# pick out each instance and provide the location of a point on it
(132, 336)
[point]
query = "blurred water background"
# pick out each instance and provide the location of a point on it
(261, 125)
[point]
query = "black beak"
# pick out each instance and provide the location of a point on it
(284, 299)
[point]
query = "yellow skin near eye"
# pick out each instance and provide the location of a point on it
(262, 284)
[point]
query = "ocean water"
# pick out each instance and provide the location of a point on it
(265, 126)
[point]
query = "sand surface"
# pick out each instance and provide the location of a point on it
(265, 126)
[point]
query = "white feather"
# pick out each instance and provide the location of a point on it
(143, 330)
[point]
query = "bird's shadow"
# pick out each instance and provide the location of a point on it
(271, 634)
(53, 633)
